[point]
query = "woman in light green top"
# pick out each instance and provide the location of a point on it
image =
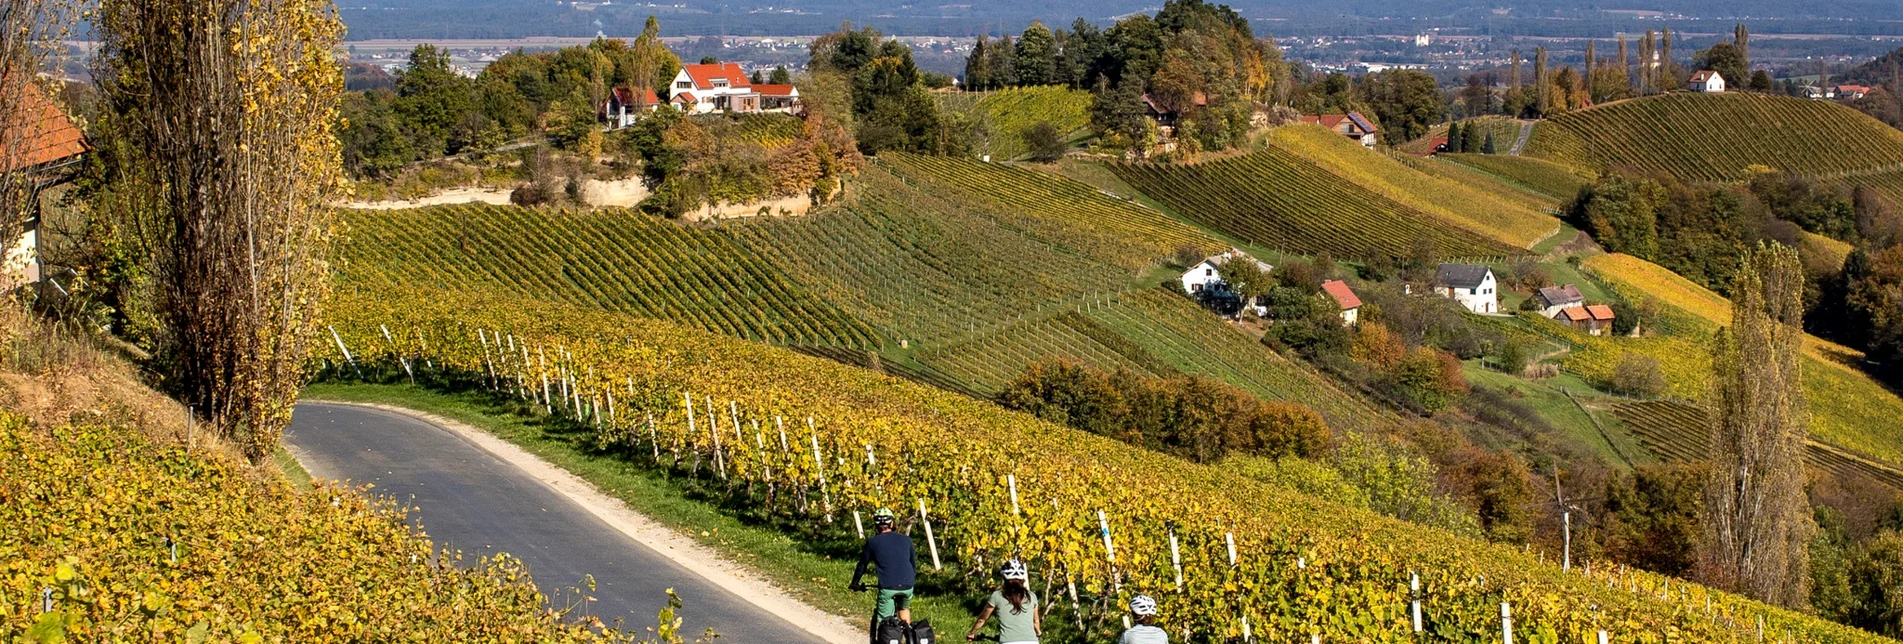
(1019, 621)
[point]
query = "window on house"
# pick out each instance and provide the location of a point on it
(685, 84)
(720, 83)
(1208, 272)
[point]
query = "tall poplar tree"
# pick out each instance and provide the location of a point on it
(229, 107)
(1758, 522)
(1668, 70)
(1646, 68)
(1542, 82)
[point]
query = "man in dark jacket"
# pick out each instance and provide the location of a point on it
(897, 566)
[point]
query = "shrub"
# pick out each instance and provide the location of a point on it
(1045, 143)
(1638, 375)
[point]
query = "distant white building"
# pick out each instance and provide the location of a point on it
(1709, 81)
(1207, 274)
(1472, 285)
(1345, 298)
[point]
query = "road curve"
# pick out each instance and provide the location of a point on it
(469, 498)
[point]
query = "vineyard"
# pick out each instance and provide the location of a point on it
(1005, 114)
(1849, 410)
(816, 445)
(1154, 333)
(1678, 431)
(1475, 179)
(766, 130)
(615, 260)
(1558, 182)
(1718, 137)
(1276, 199)
(110, 537)
(1454, 203)
(1504, 130)
(921, 267)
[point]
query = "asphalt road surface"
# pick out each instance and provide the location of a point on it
(471, 500)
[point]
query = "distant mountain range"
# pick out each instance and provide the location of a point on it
(519, 18)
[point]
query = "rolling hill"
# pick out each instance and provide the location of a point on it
(1005, 114)
(1718, 137)
(1475, 209)
(1300, 566)
(1277, 199)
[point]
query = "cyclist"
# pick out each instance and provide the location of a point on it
(897, 566)
(1019, 621)
(1145, 632)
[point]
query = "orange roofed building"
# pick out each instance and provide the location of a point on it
(39, 142)
(1594, 319)
(1352, 125)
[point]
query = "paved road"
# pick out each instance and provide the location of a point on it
(471, 500)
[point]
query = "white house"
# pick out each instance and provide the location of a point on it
(1706, 80)
(42, 143)
(628, 104)
(1345, 298)
(1471, 285)
(709, 88)
(1207, 275)
(1554, 298)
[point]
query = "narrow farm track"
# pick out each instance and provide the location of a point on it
(481, 499)
(1526, 132)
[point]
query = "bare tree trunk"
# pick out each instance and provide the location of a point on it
(229, 106)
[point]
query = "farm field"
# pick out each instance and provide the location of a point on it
(1504, 130)
(1309, 566)
(1849, 410)
(929, 269)
(612, 259)
(1007, 113)
(1556, 181)
(1677, 431)
(1276, 199)
(1477, 179)
(1476, 210)
(1670, 134)
(119, 533)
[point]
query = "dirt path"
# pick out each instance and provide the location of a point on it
(469, 482)
(1526, 133)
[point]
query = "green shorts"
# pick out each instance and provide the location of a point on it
(890, 603)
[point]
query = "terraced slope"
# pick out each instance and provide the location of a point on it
(1678, 431)
(1150, 332)
(1849, 410)
(1717, 137)
(1474, 178)
(1503, 220)
(614, 260)
(1556, 181)
(1302, 566)
(1277, 199)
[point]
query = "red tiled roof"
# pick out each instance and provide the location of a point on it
(1853, 89)
(1343, 295)
(627, 96)
(1704, 75)
(685, 97)
(766, 89)
(1599, 312)
(705, 75)
(1572, 314)
(38, 133)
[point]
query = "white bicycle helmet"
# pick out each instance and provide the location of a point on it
(1015, 569)
(1143, 605)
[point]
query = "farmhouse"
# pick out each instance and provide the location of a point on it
(1471, 285)
(1852, 92)
(1207, 274)
(1707, 81)
(707, 88)
(628, 104)
(1594, 319)
(41, 143)
(1166, 115)
(1345, 298)
(1352, 125)
(1554, 298)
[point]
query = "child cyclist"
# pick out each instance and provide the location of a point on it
(1019, 620)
